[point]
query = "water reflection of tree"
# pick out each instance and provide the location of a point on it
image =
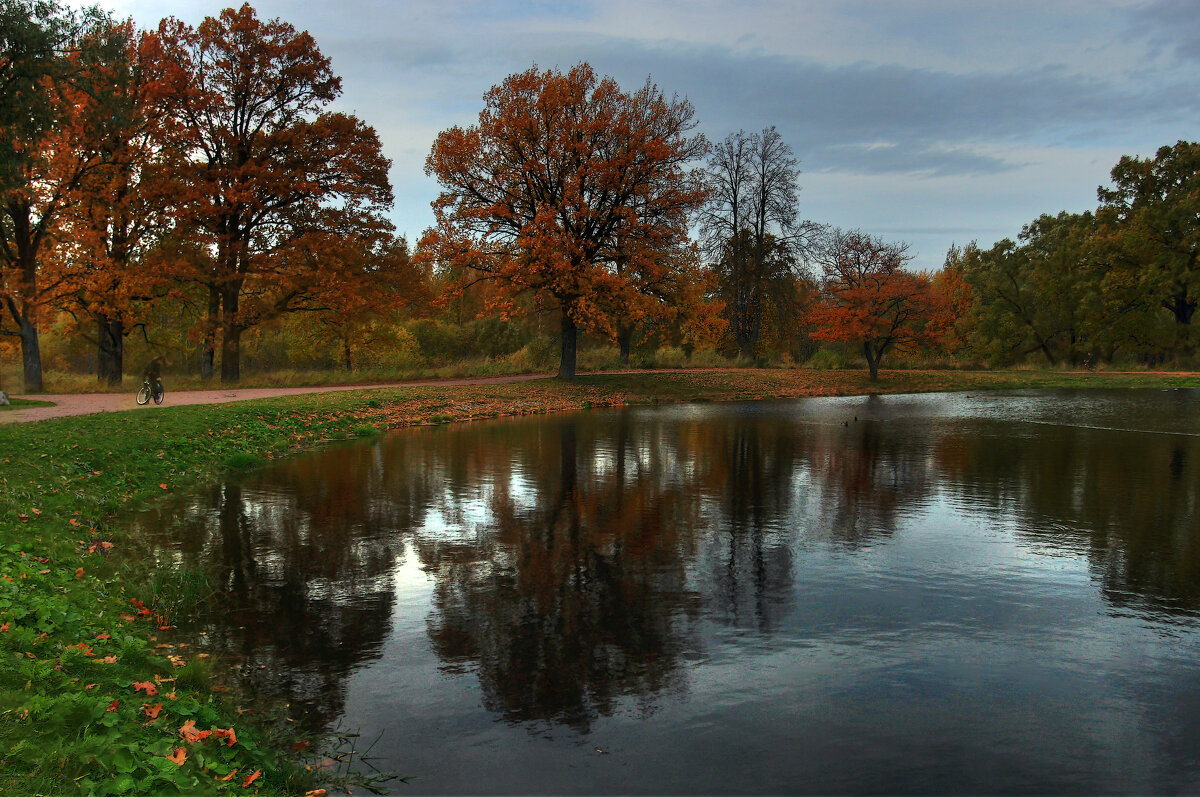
(1129, 501)
(574, 595)
(304, 587)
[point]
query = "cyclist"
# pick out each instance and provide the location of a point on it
(153, 374)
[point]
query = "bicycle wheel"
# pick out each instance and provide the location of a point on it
(143, 394)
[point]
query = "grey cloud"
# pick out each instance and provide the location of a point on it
(1173, 25)
(869, 118)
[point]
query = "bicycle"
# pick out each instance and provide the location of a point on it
(148, 391)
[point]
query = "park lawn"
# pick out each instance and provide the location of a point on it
(90, 704)
(22, 404)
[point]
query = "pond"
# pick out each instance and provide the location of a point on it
(936, 593)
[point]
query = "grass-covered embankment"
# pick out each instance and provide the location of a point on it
(89, 702)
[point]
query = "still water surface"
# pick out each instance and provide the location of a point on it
(905, 594)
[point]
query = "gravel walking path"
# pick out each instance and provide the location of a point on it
(66, 404)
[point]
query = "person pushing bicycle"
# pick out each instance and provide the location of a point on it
(152, 374)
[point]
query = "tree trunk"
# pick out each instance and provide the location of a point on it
(1181, 307)
(347, 359)
(625, 341)
(873, 359)
(208, 352)
(231, 351)
(1045, 349)
(231, 334)
(570, 340)
(31, 357)
(110, 351)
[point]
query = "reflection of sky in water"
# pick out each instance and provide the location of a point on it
(992, 592)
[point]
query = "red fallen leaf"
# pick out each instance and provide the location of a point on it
(113, 705)
(229, 776)
(163, 486)
(109, 659)
(148, 687)
(251, 778)
(152, 711)
(4, 628)
(89, 686)
(79, 573)
(36, 511)
(43, 572)
(73, 522)
(229, 734)
(128, 618)
(189, 733)
(316, 793)
(179, 757)
(303, 744)
(103, 636)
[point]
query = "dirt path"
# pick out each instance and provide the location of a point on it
(67, 404)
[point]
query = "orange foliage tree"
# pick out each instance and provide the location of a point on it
(117, 216)
(268, 170)
(869, 299)
(572, 190)
(41, 171)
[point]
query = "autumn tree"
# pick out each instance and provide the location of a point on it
(870, 300)
(1154, 210)
(267, 165)
(359, 277)
(952, 290)
(118, 215)
(569, 189)
(39, 171)
(752, 232)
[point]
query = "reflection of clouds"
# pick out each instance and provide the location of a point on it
(577, 568)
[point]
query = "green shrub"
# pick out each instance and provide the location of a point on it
(539, 354)
(708, 358)
(495, 337)
(670, 357)
(827, 359)
(242, 460)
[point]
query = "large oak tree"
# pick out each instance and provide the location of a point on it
(1153, 209)
(572, 190)
(268, 166)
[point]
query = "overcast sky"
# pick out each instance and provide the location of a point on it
(927, 121)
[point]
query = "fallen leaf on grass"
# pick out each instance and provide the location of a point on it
(179, 757)
(113, 706)
(79, 573)
(251, 778)
(152, 711)
(148, 687)
(189, 733)
(226, 734)
(229, 776)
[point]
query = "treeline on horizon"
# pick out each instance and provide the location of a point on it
(186, 193)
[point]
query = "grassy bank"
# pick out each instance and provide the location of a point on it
(89, 700)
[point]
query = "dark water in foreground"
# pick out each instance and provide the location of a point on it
(952, 593)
